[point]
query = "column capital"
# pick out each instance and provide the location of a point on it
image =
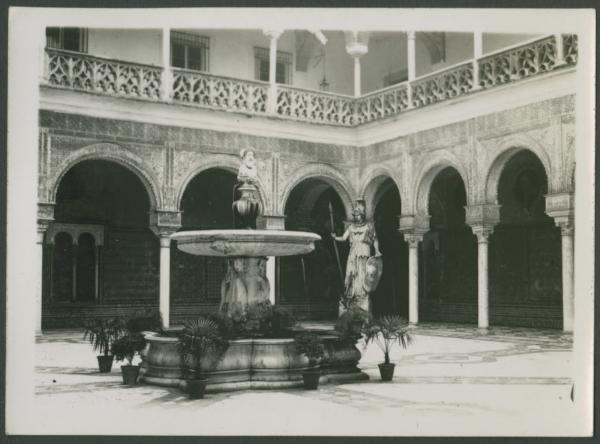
(413, 239)
(483, 233)
(410, 35)
(413, 223)
(273, 33)
(561, 207)
(271, 222)
(482, 215)
(164, 223)
(357, 43)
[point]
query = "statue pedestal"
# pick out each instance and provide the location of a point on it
(245, 283)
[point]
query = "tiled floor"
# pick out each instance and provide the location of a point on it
(452, 380)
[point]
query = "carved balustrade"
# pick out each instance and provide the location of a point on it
(441, 85)
(383, 103)
(219, 92)
(315, 106)
(518, 62)
(96, 74)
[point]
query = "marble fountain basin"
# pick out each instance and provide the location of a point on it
(257, 363)
(249, 243)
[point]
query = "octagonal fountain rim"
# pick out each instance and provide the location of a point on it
(245, 242)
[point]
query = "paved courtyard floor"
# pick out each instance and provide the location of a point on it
(452, 381)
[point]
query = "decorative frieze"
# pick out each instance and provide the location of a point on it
(561, 207)
(164, 223)
(483, 215)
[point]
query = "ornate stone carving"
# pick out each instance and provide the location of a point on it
(483, 233)
(517, 63)
(485, 215)
(96, 74)
(219, 92)
(164, 223)
(315, 106)
(442, 85)
(380, 104)
(413, 239)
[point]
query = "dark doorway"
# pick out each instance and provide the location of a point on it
(448, 281)
(311, 284)
(525, 250)
(391, 296)
(196, 280)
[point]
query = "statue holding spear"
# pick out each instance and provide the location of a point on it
(362, 269)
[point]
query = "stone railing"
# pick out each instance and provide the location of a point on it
(315, 106)
(383, 103)
(219, 92)
(518, 62)
(96, 74)
(82, 72)
(441, 85)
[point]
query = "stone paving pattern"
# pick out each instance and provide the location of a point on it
(453, 380)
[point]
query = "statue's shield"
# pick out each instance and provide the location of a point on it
(374, 268)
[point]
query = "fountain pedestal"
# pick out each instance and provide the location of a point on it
(245, 283)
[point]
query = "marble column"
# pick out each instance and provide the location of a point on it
(167, 74)
(356, 47)
(477, 53)
(566, 231)
(560, 51)
(413, 276)
(40, 277)
(272, 99)
(483, 235)
(561, 207)
(411, 64)
(165, 279)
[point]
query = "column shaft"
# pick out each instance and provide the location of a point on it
(357, 79)
(39, 286)
(482, 284)
(167, 76)
(271, 262)
(165, 279)
(272, 103)
(567, 279)
(411, 63)
(413, 277)
(477, 53)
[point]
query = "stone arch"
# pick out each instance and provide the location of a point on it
(371, 186)
(224, 162)
(328, 174)
(509, 147)
(427, 174)
(112, 153)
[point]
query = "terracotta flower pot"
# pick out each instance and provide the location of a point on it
(105, 363)
(130, 374)
(196, 387)
(311, 379)
(386, 371)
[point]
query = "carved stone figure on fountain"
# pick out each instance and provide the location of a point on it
(246, 205)
(234, 296)
(363, 270)
(247, 173)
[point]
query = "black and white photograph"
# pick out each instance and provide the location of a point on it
(300, 222)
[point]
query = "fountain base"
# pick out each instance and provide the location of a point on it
(251, 364)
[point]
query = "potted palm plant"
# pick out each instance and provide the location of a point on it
(125, 348)
(310, 345)
(102, 333)
(385, 332)
(201, 344)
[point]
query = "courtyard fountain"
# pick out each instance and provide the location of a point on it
(248, 362)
